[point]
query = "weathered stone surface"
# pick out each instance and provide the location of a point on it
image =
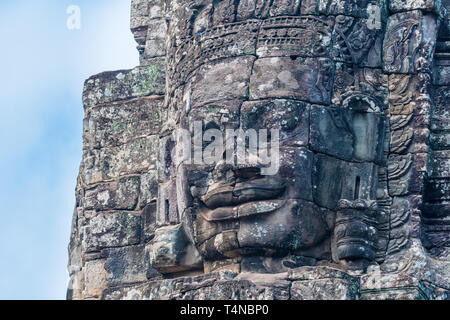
(406, 173)
(336, 179)
(379, 286)
(356, 219)
(225, 80)
(305, 36)
(149, 221)
(95, 279)
(157, 29)
(358, 40)
(119, 123)
(125, 84)
(364, 86)
(441, 112)
(437, 190)
(119, 195)
(338, 7)
(290, 229)
(330, 133)
(170, 251)
(407, 47)
(139, 13)
(440, 165)
(306, 79)
(111, 229)
(148, 188)
(426, 5)
(136, 156)
(323, 290)
(167, 212)
(304, 284)
(127, 265)
(354, 97)
(345, 133)
(291, 118)
(441, 75)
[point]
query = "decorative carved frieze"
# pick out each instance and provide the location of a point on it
(407, 47)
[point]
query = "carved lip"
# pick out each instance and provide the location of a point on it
(226, 202)
(243, 210)
(266, 188)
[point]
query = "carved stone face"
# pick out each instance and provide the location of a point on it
(237, 211)
(258, 71)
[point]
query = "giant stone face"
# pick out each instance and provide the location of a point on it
(340, 108)
(313, 73)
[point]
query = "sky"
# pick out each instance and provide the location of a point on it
(43, 65)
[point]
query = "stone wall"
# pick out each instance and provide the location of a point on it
(129, 238)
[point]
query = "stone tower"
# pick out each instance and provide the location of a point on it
(358, 95)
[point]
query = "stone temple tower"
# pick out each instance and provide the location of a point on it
(358, 93)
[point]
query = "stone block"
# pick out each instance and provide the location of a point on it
(359, 40)
(290, 117)
(408, 5)
(409, 42)
(322, 283)
(307, 79)
(441, 99)
(300, 225)
(347, 134)
(118, 195)
(170, 251)
(139, 13)
(330, 132)
(439, 165)
(437, 190)
(440, 141)
(124, 84)
(441, 75)
(154, 48)
(167, 212)
(149, 221)
(111, 229)
(126, 265)
(394, 286)
(148, 188)
(224, 80)
(335, 179)
(95, 279)
(137, 156)
(324, 289)
(118, 123)
(157, 29)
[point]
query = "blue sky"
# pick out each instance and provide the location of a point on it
(44, 65)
